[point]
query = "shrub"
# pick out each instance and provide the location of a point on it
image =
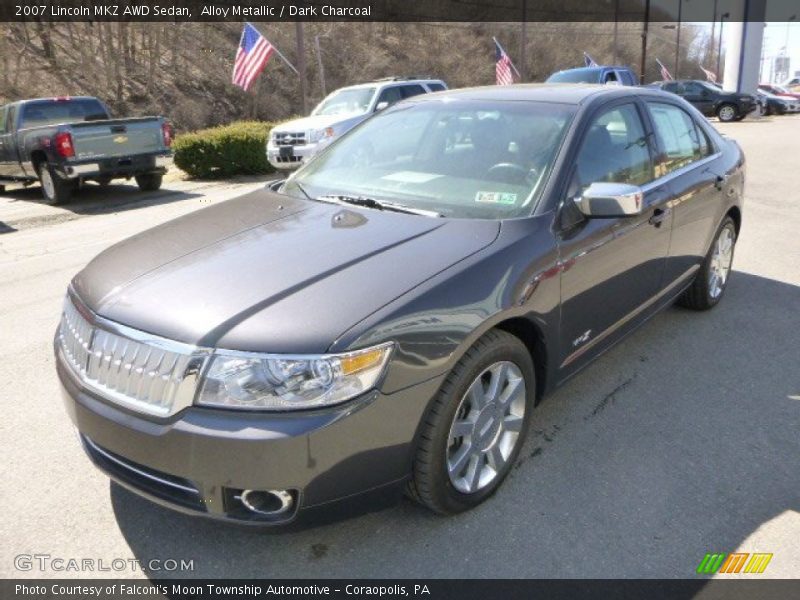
(235, 149)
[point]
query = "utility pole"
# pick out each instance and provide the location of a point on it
(643, 64)
(678, 41)
(523, 64)
(713, 28)
(616, 23)
(301, 64)
(321, 68)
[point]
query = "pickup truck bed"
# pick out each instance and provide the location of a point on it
(61, 142)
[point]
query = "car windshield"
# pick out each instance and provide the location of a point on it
(52, 112)
(346, 102)
(587, 75)
(463, 159)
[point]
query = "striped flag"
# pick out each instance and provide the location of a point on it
(251, 57)
(589, 61)
(710, 75)
(502, 66)
(665, 74)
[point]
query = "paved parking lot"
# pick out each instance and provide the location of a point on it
(682, 440)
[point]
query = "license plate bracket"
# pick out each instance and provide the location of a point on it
(286, 152)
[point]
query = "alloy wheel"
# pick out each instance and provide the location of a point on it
(721, 259)
(486, 427)
(727, 113)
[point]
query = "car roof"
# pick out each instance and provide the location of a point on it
(564, 93)
(387, 82)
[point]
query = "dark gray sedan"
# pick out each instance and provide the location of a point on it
(387, 319)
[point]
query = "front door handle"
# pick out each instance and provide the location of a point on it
(658, 216)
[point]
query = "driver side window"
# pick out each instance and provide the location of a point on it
(390, 96)
(615, 149)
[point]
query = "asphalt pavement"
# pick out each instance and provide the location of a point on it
(682, 440)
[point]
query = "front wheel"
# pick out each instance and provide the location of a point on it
(727, 113)
(149, 182)
(476, 425)
(54, 189)
(712, 278)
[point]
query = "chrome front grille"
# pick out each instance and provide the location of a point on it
(290, 138)
(142, 372)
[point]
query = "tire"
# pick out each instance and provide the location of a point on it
(55, 190)
(727, 113)
(149, 182)
(499, 428)
(704, 294)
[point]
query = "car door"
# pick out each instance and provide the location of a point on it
(700, 96)
(8, 153)
(685, 159)
(612, 268)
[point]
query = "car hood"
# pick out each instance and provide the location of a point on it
(315, 122)
(269, 273)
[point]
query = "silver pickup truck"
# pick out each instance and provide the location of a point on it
(61, 142)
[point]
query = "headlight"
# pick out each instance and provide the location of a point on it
(275, 382)
(316, 135)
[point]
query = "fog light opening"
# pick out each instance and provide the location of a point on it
(267, 502)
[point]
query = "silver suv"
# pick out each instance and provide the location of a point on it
(292, 143)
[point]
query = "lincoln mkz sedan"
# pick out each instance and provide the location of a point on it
(386, 319)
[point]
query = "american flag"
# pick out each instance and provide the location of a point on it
(589, 61)
(665, 74)
(710, 75)
(251, 57)
(502, 66)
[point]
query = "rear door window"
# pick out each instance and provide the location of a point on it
(436, 87)
(412, 90)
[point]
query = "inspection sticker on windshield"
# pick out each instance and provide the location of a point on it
(496, 197)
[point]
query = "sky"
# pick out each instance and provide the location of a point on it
(775, 38)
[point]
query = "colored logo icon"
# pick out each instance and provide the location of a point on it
(735, 562)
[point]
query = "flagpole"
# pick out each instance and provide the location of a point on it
(278, 52)
(511, 62)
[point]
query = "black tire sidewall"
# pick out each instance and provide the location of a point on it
(726, 222)
(506, 347)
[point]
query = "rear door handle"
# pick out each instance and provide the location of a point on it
(658, 216)
(719, 182)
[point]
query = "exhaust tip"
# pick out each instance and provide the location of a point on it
(267, 502)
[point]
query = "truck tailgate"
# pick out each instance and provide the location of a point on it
(117, 138)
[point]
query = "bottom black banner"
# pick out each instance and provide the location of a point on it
(463, 589)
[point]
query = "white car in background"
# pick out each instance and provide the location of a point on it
(292, 143)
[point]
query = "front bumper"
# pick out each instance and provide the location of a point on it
(125, 166)
(197, 461)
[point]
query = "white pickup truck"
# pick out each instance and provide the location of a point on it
(291, 144)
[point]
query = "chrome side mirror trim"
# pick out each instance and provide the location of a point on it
(611, 200)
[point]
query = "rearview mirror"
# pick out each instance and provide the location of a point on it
(381, 106)
(611, 200)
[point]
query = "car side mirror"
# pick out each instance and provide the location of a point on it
(381, 105)
(610, 200)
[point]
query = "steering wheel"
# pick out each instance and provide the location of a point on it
(511, 173)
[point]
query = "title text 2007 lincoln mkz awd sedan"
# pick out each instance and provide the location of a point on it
(388, 318)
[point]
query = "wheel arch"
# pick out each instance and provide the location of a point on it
(37, 158)
(529, 334)
(735, 213)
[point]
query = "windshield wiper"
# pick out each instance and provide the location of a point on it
(377, 204)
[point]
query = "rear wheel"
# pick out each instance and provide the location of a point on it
(712, 278)
(55, 190)
(727, 113)
(149, 182)
(476, 426)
